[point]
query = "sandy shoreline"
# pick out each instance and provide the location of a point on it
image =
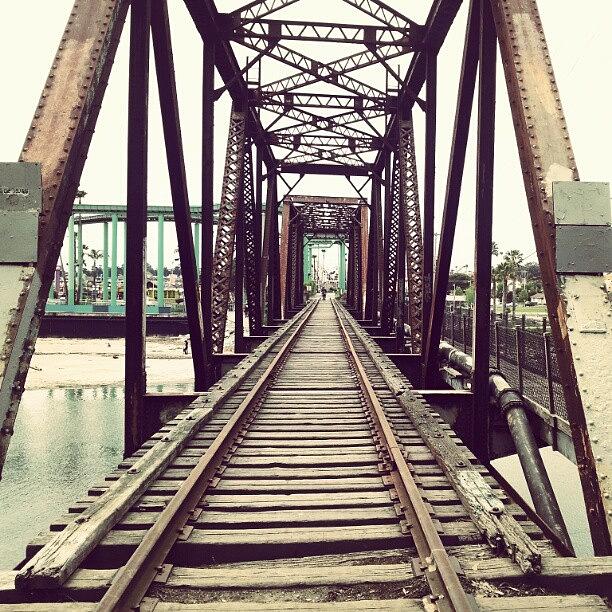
(77, 362)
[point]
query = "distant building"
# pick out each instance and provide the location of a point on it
(538, 298)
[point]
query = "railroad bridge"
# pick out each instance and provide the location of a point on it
(340, 456)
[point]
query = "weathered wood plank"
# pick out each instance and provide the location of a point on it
(63, 554)
(576, 603)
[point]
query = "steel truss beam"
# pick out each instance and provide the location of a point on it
(318, 31)
(305, 154)
(324, 140)
(374, 254)
(258, 9)
(546, 156)
(226, 228)
(391, 254)
(325, 169)
(439, 21)
(164, 66)
(58, 139)
(207, 21)
(136, 227)
(291, 100)
(411, 214)
(270, 268)
(311, 122)
(454, 181)
(335, 72)
(252, 245)
(383, 13)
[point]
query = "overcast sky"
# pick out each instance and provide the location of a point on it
(581, 51)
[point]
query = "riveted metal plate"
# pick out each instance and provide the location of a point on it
(584, 249)
(581, 203)
(584, 234)
(20, 202)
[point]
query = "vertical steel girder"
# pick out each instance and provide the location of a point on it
(392, 230)
(164, 65)
(226, 227)
(293, 281)
(270, 269)
(546, 156)
(392, 246)
(252, 242)
(208, 162)
(411, 214)
(454, 181)
(354, 293)
(58, 139)
(374, 259)
(136, 227)
(481, 414)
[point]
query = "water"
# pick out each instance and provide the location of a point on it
(67, 440)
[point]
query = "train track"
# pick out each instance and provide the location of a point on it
(311, 453)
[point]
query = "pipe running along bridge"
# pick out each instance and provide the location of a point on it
(341, 455)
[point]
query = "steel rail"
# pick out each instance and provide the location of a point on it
(132, 581)
(447, 592)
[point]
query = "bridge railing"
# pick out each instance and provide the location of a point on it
(521, 349)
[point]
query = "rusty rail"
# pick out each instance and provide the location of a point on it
(447, 592)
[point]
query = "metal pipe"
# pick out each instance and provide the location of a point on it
(511, 404)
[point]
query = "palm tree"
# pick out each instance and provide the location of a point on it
(94, 254)
(513, 260)
(494, 253)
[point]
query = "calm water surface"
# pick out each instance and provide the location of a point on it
(66, 440)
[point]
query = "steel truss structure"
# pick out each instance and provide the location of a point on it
(328, 115)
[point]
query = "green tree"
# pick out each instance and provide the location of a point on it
(94, 255)
(513, 260)
(469, 295)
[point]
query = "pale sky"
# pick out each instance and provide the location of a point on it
(581, 51)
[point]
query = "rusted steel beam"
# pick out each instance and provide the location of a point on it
(373, 261)
(226, 228)
(261, 8)
(429, 198)
(58, 139)
(284, 256)
(291, 100)
(208, 140)
(392, 231)
(325, 169)
(411, 227)
(312, 71)
(437, 25)
(251, 245)
(461, 130)
(164, 67)
(269, 256)
(208, 23)
(323, 31)
(546, 156)
(480, 425)
(136, 227)
(382, 12)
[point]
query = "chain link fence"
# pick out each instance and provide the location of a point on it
(521, 349)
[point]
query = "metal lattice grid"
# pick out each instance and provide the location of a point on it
(226, 229)
(392, 229)
(412, 231)
(252, 220)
